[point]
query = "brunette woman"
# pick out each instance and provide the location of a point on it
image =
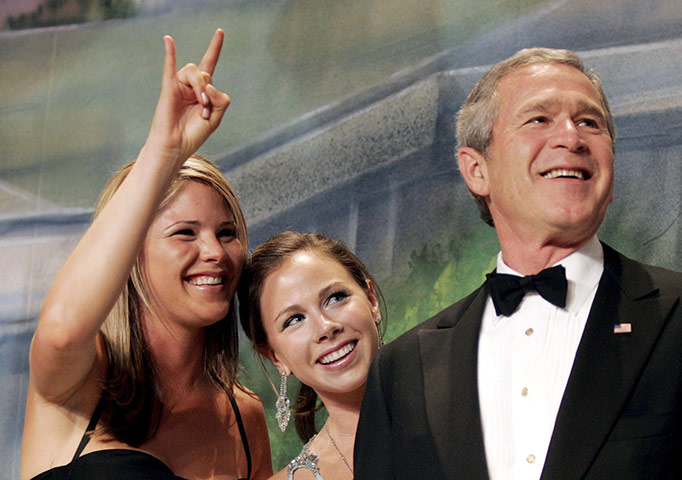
(310, 306)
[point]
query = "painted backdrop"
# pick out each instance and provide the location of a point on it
(341, 122)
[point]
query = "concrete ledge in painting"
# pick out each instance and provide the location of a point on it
(338, 152)
(404, 121)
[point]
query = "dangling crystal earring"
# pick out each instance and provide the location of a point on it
(282, 404)
(377, 322)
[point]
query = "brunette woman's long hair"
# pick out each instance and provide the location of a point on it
(264, 260)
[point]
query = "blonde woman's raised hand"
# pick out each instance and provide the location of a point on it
(190, 107)
(64, 348)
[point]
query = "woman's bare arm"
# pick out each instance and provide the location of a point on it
(190, 108)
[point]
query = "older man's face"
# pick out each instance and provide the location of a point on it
(550, 162)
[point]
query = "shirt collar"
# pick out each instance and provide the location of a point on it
(584, 268)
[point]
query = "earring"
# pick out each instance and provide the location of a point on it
(377, 322)
(282, 404)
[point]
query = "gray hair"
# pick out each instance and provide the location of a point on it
(477, 115)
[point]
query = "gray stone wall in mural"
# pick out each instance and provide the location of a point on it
(377, 170)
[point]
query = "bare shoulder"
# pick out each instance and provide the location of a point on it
(253, 416)
(281, 475)
(251, 409)
(247, 398)
(53, 427)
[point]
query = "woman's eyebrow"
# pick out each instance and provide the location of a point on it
(287, 311)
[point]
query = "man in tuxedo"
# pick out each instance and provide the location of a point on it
(567, 362)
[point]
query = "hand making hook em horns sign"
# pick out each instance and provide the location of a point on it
(190, 107)
(131, 313)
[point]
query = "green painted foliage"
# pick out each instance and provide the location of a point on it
(60, 12)
(439, 276)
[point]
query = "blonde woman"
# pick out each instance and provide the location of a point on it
(134, 358)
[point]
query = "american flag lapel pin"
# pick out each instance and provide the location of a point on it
(622, 328)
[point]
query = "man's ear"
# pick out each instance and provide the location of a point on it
(474, 169)
(268, 353)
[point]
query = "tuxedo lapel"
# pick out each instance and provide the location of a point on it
(606, 366)
(449, 357)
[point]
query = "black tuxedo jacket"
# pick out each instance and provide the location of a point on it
(621, 413)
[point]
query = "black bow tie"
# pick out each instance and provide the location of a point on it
(507, 291)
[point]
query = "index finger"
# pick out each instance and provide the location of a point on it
(169, 60)
(210, 59)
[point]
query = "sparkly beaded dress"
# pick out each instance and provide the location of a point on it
(306, 459)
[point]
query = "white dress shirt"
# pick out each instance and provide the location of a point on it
(524, 362)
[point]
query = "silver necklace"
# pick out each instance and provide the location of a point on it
(338, 450)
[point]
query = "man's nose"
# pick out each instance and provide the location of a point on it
(566, 134)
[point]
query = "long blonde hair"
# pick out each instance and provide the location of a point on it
(131, 401)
